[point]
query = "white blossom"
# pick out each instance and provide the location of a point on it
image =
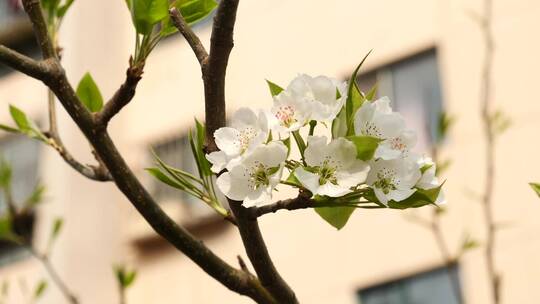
(429, 180)
(251, 179)
(393, 179)
(332, 168)
(376, 119)
(321, 94)
(288, 113)
(247, 131)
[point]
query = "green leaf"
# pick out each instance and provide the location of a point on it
(5, 173)
(89, 93)
(124, 277)
(468, 243)
(339, 124)
(8, 129)
(36, 197)
(164, 178)
(536, 188)
(335, 216)
(147, 13)
(365, 146)
(20, 118)
(299, 142)
(355, 97)
(195, 10)
(419, 198)
(372, 93)
(56, 228)
(50, 6)
(5, 227)
(274, 88)
(62, 10)
(40, 289)
(201, 138)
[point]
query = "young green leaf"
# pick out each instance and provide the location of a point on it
(56, 228)
(36, 197)
(536, 188)
(20, 118)
(155, 172)
(274, 88)
(365, 146)
(419, 198)
(5, 174)
(355, 97)
(89, 93)
(147, 13)
(372, 93)
(335, 216)
(5, 227)
(124, 277)
(339, 124)
(40, 289)
(8, 129)
(195, 10)
(62, 10)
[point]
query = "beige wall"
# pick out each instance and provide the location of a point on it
(276, 40)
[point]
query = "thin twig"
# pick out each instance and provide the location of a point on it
(485, 100)
(35, 69)
(56, 278)
(123, 95)
(191, 38)
(299, 202)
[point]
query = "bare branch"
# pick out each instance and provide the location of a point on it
(35, 13)
(259, 256)
(123, 96)
(486, 112)
(214, 71)
(35, 69)
(300, 202)
(191, 38)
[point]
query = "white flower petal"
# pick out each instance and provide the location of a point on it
(308, 179)
(232, 188)
(226, 140)
(218, 160)
(332, 190)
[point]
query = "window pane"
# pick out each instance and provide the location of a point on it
(417, 95)
(425, 288)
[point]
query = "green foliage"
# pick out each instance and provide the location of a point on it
(5, 174)
(335, 216)
(365, 146)
(36, 197)
(201, 187)
(355, 98)
(24, 125)
(89, 93)
(55, 10)
(499, 122)
(124, 277)
(536, 188)
(419, 198)
(274, 88)
(56, 228)
(444, 123)
(5, 227)
(40, 289)
(192, 11)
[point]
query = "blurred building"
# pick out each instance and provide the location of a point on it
(426, 56)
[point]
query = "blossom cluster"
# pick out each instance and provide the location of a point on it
(369, 153)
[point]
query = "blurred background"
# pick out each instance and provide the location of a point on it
(427, 57)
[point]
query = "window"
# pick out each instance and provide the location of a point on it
(176, 152)
(413, 86)
(23, 155)
(425, 288)
(16, 31)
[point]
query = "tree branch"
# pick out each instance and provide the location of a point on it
(35, 69)
(191, 38)
(234, 279)
(299, 202)
(487, 118)
(221, 44)
(259, 256)
(35, 13)
(123, 96)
